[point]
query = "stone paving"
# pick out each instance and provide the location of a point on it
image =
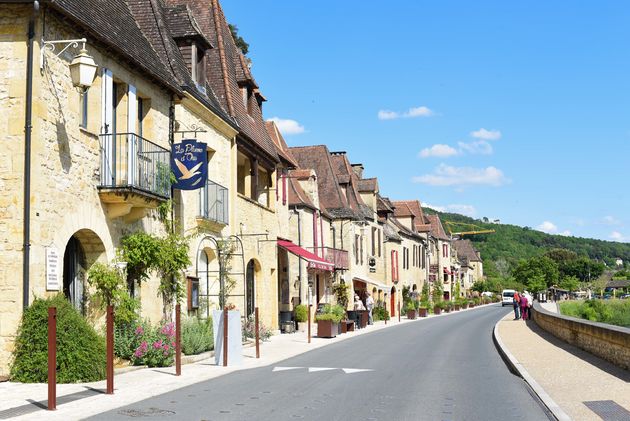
(76, 401)
(571, 377)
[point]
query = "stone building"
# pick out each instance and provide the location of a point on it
(471, 264)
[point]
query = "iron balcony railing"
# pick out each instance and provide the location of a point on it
(130, 161)
(335, 256)
(213, 202)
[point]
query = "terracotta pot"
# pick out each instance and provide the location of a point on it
(437, 310)
(423, 312)
(412, 314)
(456, 307)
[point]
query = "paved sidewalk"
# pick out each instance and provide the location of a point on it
(564, 375)
(77, 401)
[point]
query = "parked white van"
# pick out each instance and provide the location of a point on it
(507, 297)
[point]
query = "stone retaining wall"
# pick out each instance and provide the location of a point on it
(611, 343)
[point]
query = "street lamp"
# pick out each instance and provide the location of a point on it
(82, 66)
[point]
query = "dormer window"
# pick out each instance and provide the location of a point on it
(198, 61)
(246, 93)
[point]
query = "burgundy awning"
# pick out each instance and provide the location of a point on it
(314, 261)
(447, 271)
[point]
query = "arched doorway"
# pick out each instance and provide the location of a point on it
(83, 248)
(250, 287)
(208, 275)
(392, 301)
(74, 270)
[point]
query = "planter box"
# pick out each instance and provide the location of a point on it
(456, 307)
(447, 309)
(347, 326)
(423, 312)
(437, 310)
(465, 306)
(363, 318)
(327, 329)
(411, 314)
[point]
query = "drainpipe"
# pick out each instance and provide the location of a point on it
(27, 156)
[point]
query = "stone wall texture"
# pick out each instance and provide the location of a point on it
(611, 343)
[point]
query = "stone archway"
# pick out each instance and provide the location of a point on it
(82, 250)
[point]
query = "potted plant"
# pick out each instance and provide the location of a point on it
(301, 316)
(471, 303)
(423, 309)
(410, 309)
(448, 306)
(457, 305)
(437, 308)
(328, 321)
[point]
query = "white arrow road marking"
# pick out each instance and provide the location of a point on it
(314, 369)
(355, 370)
(285, 368)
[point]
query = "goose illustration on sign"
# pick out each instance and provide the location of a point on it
(189, 164)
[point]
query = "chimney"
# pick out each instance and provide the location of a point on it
(358, 170)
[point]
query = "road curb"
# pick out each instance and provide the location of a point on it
(517, 368)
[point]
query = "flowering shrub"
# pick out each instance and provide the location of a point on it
(156, 346)
(249, 330)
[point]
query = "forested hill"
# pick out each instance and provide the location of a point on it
(510, 243)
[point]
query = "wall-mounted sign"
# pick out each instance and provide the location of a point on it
(189, 163)
(372, 262)
(52, 269)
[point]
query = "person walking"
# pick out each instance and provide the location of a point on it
(530, 303)
(524, 307)
(369, 303)
(516, 302)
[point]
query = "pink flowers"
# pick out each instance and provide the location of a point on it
(139, 330)
(141, 350)
(157, 345)
(168, 330)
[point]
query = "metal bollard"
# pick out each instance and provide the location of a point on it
(225, 336)
(257, 333)
(178, 340)
(52, 358)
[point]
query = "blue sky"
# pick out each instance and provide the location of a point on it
(518, 111)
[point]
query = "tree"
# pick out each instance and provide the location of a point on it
(570, 283)
(537, 268)
(240, 42)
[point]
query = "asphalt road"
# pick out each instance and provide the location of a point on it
(445, 368)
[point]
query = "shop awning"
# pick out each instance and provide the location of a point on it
(447, 271)
(314, 261)
(367, 280)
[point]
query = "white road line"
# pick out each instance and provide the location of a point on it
(285, 368)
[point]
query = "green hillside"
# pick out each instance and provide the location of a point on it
(502, 250)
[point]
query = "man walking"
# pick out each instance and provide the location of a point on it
(369, 303)
(516, 302)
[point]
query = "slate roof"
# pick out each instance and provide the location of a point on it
(182, 24)
(116, 27)
(437, 230)
(342, 167)
(297, 195)
(414, 207)
(618, 284)
(466, 251)
(331, 197)
(368, 185)
(383, 205)
(152, 17)
(279, 142)
(226, 65)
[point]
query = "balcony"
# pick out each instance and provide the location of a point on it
(213, 203)
(135, 175)
(337, 257)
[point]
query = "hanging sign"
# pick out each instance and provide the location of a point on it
(189, 164)
(52, 269)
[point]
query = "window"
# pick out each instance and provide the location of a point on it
(379, 243)
(84, 109)
(361, 245)
(140, 116)
(444, 250)
(394, 266)
(424, 257)
(373, 241)
(200, 67)
(356, 249)
(413, 259)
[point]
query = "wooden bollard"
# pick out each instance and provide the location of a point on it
(309, 323)
(52, 358)
(399, 311)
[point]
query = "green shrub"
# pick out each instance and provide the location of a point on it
(301, 313)
(197, 336)
(380, 313)
(80, 350)
(614, 312)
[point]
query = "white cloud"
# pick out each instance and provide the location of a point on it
(445, 175)
(438, 150)
(610, 220)
(288, 127)
(467, 210)
(486, 134)
(548, 227)
(479, 147)
(413, 112)
(566, 233)
(617, 236)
